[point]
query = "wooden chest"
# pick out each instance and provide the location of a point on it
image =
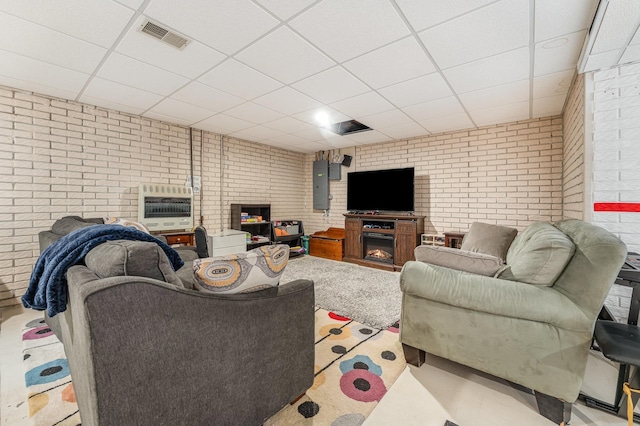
(328, 244)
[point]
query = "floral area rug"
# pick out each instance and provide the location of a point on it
(355, 365)
(51, 399)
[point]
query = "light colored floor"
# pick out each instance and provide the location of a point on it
(439, 390)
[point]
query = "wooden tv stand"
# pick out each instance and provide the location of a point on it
(370, 238)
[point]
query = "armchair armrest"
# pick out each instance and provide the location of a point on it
(492, 295)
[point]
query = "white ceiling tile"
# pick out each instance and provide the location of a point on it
(45, 75)
(119, 93)
(363, 105)
(370, 136)
(285, 9)
(386, 119)
(396, 62)
(551, 105)
(418, 90)
(225, 25)
(192, 61)
(618, 26)
(346, 29)
(341, 142)
(331, 115)
(309, 146)
(131, 4)
(42, 89)
(553, 84)
(434, 109)
(288, 125)
(206, 97)
(488, 31)
(636, 38)
(38, 42)
(254, 113)
(238, 79)
(116, 106)
(287, 140)
(493, 71)
(331, 85)
(278, 56)
(223, 124)
(498, 95)
(554, 18)
(602, 60)
(448, 123)
(256, 133)
(125, 70)
(167, 118)
(97, 22)
(551, 56)
(631, 54)
(422, 14)
(317, 134)
(404, 131)
(501, 113)
(287, 101)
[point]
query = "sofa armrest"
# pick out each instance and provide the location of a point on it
(492, 295)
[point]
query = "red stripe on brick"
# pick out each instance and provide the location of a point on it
(617, 207)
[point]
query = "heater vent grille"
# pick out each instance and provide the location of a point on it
(163, 34)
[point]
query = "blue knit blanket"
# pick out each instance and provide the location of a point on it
(48, 283)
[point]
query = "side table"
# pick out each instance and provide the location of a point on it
(453, 239)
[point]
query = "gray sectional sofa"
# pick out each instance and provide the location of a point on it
(145, 349)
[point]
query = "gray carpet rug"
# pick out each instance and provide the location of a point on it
(366, 295)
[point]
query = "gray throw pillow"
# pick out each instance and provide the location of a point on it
(489, 239)
(538, 255)
(462, 260)
(131, 258)
(68, 224)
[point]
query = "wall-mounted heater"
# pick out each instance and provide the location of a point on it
(164, 207)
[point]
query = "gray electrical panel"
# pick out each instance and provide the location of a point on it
(321, 185)
(335, 171)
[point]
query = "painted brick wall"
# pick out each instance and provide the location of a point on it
(616, 149)
(508, 174)
(61, 158)
(573, 172)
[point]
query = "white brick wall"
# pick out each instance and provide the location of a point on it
(508, 174)
(616, 149)
(61, 158)
(573, 174)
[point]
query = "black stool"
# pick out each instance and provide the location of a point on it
(620, 343)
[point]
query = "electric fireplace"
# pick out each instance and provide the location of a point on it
(378, 247)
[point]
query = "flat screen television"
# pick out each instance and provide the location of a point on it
(381, 190)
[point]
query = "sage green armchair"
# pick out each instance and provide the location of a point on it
(525, 324)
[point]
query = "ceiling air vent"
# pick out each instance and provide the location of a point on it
(347, 127)
(163, 34)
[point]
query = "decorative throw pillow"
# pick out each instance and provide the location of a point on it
(131, 258)
(538, 255)
(462, 260)
(126, 222)
(254, 270)
(489, 239)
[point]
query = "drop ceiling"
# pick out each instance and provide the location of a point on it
(262, 70)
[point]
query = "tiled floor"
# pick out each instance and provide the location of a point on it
(439, 390)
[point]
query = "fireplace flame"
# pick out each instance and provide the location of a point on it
(379, 254)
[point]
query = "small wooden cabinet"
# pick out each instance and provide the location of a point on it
(382, 241)
(180, 238)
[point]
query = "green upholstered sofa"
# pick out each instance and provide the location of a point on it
(145, 349)
(527, 323)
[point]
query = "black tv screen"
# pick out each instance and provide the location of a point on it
(381, 190)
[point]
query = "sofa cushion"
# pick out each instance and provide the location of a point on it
(489, 239)
(462, 260)
(254, 270)
(68, 224)
(538, 255)
(131, 258)
(125, 222)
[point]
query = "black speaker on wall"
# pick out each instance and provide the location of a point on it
(346, 160)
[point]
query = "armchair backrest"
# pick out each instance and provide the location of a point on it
(588, 276)
(200, 234)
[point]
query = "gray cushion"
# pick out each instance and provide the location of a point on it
(538, 255)
(462, 260)
(186, 274)
(69, 224)
(131, 258)
(489, 239)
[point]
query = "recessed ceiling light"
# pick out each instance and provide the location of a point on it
(322, 118)
(555, 43)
